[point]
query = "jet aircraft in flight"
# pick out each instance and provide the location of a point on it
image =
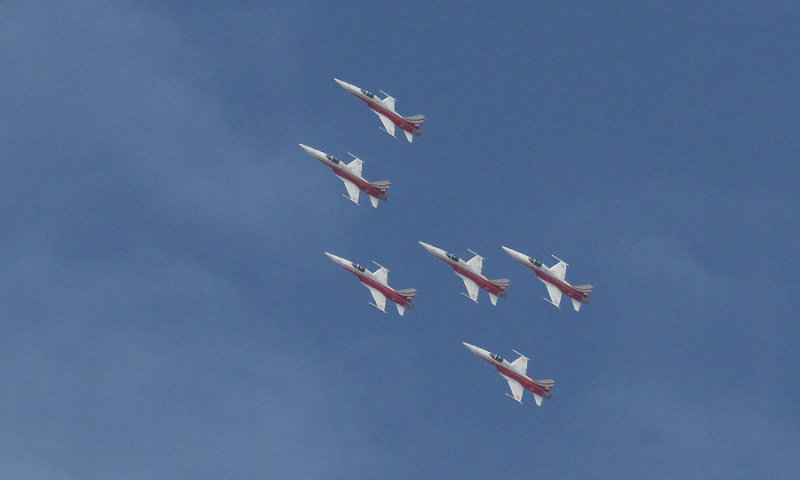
(377, 284)
(554, 278)
(350, 174)
(470, 273)
(384, 109)
(515, 373)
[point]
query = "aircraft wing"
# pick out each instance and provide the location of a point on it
(382, 275)
(559, 270)
(380, 300)
(520, 364)
(516, 388)
(355, 166)
(388, 101)
(555, 293)
(387, 124)
(472, 287)
(352, 190)
(476, 263)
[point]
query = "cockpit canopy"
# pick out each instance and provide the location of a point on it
(451, 257)
(368, 93)
(358, 267)
(535, 262)
(497, 357)
(332, 158)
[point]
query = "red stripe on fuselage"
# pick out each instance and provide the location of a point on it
(361, 183)
(524, 380)
(386, 290)
(393, 116)
(481, 280)
(565, 287)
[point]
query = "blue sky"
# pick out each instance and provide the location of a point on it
(167, 310)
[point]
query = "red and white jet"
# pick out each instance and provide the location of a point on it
(470, 272)
(350, 174)
(376, 283)
(384, 109)
(514, 373)
(554, 278)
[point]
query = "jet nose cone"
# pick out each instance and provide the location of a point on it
(336, 259)
(342, 84)
(472, 348)
(306, 148)
(311, 151)
(517, 255)
(438, 252)
(429, 248)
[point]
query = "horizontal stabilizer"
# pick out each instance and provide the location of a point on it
(400, 309)
(576, 305)
(409, 136)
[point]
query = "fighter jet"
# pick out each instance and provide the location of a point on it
(384, 109)
(514, 373)
(350, 174)
(554, 279)
(470, 272)
(376, 283)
